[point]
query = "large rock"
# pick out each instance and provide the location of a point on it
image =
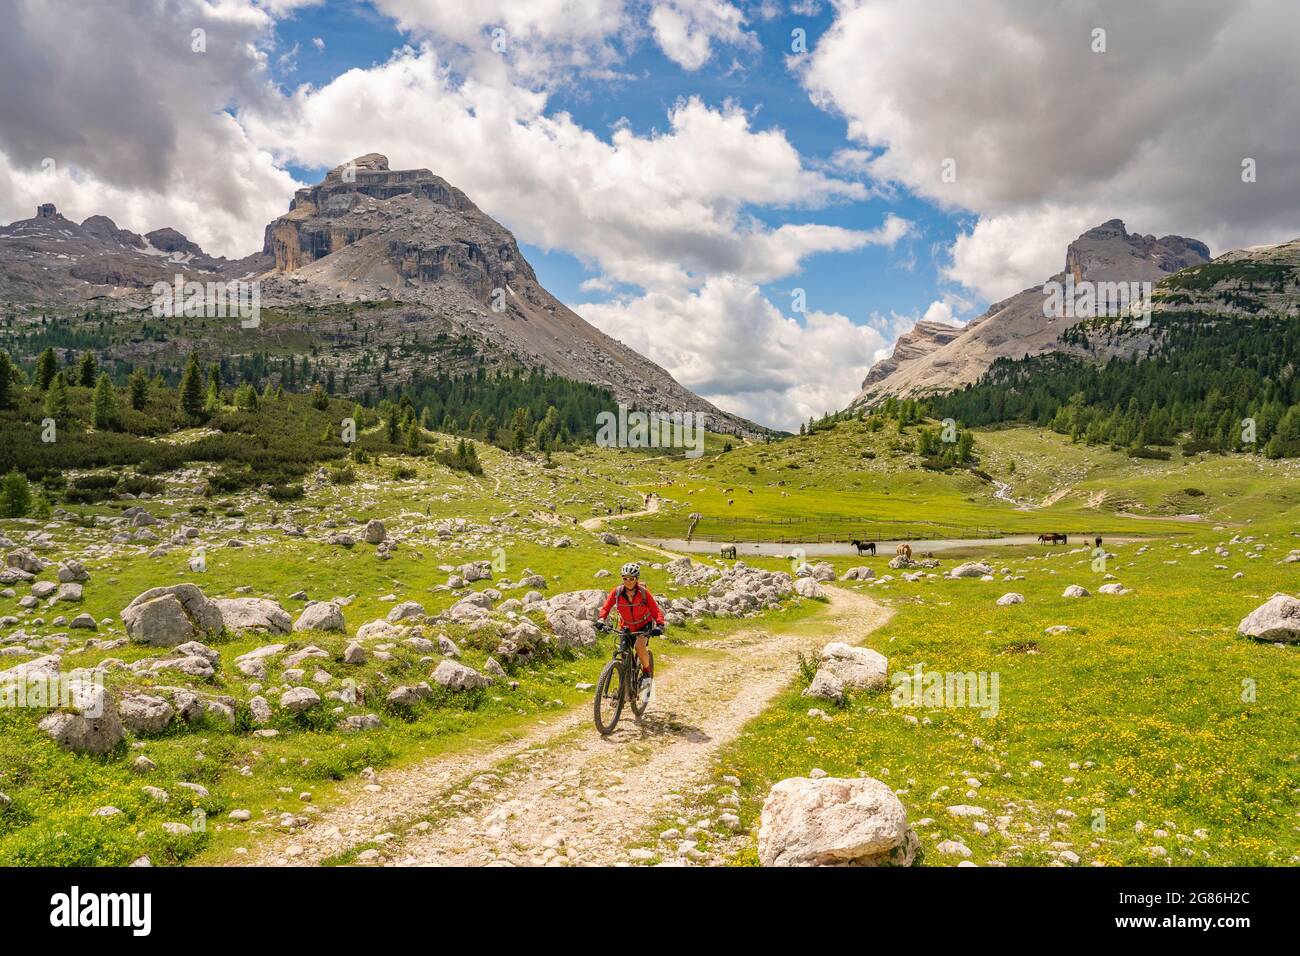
(167, 616)
(297, 699)
(809, 588)
(822, 571)
(145, 714)
(321, 616)
(476, 571)
(374, 533)
(456, 676)
(1276, 620)
(858, 668)
(259, 615)
(1075, 591)
(862, 573)
(834, 822)
(379, 630)
(825, 686)
(570, 631)
(24, 559)
(89, 723)
(407, 609)
(521, 641)
(971, 569)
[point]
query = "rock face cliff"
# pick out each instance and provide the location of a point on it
(369, 233)
(918, 342)
(1017, 326)
(365, 234)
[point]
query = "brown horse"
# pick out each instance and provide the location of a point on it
(904, 551)
(1053, 538)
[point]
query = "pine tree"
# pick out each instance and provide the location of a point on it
(47, 366)
(87, 370)
(57, 404)
(138, 385)
(15, 494)
(246, 398)
(394, 427)
(191, 390)
(519, 427)
(105, 403)
(6, 380)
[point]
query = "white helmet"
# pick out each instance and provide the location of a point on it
(631, 570)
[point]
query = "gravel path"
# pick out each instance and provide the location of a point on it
(562, 795)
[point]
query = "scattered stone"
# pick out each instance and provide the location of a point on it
(456, 676)
(298, 699)
(321, 616)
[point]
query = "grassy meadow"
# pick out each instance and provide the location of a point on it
(1147, 732)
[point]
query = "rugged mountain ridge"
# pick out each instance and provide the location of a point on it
(1017, 326)
(365, 234)
(52, 261)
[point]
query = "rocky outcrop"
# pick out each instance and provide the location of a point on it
(923, 338)
(1017, 326)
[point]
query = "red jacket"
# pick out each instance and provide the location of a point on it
(635, 610)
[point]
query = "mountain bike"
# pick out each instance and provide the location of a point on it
(620, 681)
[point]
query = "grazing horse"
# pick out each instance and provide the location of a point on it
(864, 547)
(904, 551)
(729, 552)
(1053, 538)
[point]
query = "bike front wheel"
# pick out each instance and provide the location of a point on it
(634, 693)
(610, 692)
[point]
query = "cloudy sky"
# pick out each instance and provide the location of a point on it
(760, 195)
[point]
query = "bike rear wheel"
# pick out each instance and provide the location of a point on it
(634, 693)
(610, 692)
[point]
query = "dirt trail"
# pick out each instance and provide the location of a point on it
(591, 524)
(562, 795)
